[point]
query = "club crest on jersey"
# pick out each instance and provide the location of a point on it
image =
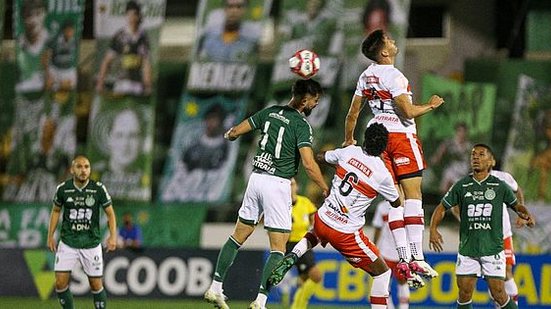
(490, 194)
(89, 201)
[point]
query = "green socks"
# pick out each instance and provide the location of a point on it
(274, 258)
(100, 299)
(225, 259)
(510, 305)
(65, 299)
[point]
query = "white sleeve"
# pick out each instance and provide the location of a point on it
(397, 84)
(332, 156)
(512, 182)
(378, 217)
(388, 189)
(360, 86)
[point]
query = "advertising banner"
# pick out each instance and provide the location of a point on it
(448, 134)
(120, 135)
(528, 150)
(43, 138)
(26, 225)
(152, 273)
(344, 285)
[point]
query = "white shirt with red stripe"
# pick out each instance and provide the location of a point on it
(358, 179)
(511, 182)
(380, 84)
(385, 243)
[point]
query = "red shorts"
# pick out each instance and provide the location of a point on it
(509, 251)
(358, 250)
(403, 155)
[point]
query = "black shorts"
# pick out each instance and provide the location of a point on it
(305, 262)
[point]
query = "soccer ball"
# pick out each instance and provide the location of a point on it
(305, 63)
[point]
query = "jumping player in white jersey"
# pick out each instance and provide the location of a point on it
(385, 242)
(388, 94)
(360, 176)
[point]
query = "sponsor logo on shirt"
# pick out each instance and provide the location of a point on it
(401, 161)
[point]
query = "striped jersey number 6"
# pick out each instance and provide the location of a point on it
(346, 186)
(279, 140)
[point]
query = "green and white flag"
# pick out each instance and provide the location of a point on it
(227, 43)
(361, 17)
(468, 105)
(120, 135)
(47, 34)
(201, 161)
(528, 151)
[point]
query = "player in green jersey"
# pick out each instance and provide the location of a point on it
(286, 140)
(480, 197)
(81, 200)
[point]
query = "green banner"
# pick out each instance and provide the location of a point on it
(120, 135)
(26, 225)
(528, 151)
(43, 138)
(362, 17)
(226, 50)
(448, 133)
(201, 162)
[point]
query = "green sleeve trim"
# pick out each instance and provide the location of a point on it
(251, 122)
(446, 204)
(247, 222)
(304, 144)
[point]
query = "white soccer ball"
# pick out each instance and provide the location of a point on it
(305, 63)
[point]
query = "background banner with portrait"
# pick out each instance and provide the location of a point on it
(226, 45)
(467, 119)
(120, 146)
(200, 164)
(43, 138)
(361, 17)
(127, 37)
(307, 24)
(528, 151)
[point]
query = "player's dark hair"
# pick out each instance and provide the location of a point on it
(373, 44)
(68, 23)
(488, 148)
(375, 139)
(302, 87)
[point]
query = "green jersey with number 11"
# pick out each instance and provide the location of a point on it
(284, 131)
(481, 207)
(81, 212)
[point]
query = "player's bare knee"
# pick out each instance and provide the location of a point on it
(96, 284)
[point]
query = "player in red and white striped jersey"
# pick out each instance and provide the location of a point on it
(360, 176)
(389, 96)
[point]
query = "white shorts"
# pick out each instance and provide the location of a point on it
(90, 259)
(63, 75)
(269, 195)
(492, 266)
(126, 86)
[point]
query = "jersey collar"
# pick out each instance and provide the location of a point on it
(81, 188)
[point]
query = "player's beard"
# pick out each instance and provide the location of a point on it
(307, 111)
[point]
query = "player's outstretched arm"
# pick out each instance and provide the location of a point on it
(313, 169)
(436, 240)
(234, 132)
(54, 219)
(410, 110)
(351, 119)
(524, 214)
(112, 224)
